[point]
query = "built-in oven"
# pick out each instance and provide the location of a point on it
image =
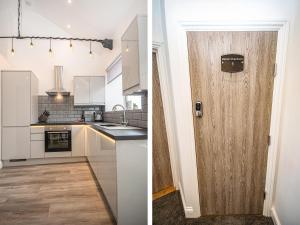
(58, 138)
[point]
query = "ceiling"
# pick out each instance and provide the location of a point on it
(87, 18)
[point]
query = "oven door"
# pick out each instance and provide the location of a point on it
(58, 141)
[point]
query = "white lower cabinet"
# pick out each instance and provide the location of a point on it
(121, 170)
(91, 143)
(15, 143)
(37, 142)
(101, 153)
(107, 170)
(37, 149)
(132, 182)
(78, 139)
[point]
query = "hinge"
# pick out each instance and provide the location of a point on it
(269, 140)
(275, 70)
(265, 193)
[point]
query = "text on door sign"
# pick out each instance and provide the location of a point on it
(232, 63)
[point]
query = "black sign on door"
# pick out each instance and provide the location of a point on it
(232, 63)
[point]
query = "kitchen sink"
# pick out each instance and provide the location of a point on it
(117, 127)
(109, 125)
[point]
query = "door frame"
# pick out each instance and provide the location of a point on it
(166, 93)
(192, 208)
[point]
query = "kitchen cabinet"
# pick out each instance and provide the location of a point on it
(15, 143)
(131, 157)
(37, 142)
(101, 153)
(91, 146)
(97, 90)
(134, 57)
(81, 90)
(37, 149)
(121, 170)
(89, 90)
(78, 140)
(19, 98)
(19, 110)
(107, 169)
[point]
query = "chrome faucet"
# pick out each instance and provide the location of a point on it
(124, 122)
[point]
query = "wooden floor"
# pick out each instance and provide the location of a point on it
(59, 194)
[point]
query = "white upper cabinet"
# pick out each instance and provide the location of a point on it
(19, 95)
(134, 56)
(97, 90)
(89, 90)
(81, 90)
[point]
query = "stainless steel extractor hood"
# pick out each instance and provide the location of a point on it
(58, 87)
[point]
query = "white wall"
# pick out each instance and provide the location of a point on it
(76, 61)
(286, 201)
(287, 195)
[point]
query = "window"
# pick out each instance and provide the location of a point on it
(133, 102)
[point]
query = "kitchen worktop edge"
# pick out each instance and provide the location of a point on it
(118, 135)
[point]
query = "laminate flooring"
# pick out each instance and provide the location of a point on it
(168, 210)
(57, 194)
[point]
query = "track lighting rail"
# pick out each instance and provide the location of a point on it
(106, 43)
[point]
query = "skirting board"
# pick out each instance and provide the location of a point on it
(188, 211)
(275, 217)
(29, 162)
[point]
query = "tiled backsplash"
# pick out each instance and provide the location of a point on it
(136, 118)
(63, 109)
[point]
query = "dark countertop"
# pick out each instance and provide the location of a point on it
(58, 123)
(132, 134)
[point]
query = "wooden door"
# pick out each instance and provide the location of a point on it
(161, 167)
(232, 136)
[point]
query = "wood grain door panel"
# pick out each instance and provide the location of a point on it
(161, 167)
(232, 136)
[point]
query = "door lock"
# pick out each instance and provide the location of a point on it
(199, 109)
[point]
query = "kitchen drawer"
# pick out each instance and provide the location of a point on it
(37, 137)
(57, 154)
(38, 129)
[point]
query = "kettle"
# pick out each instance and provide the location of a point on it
(98, 116)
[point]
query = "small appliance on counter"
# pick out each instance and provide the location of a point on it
(44, 117)
(98, 116)
(82, 119)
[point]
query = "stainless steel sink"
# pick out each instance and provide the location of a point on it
(102, 124)
(112, 126)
